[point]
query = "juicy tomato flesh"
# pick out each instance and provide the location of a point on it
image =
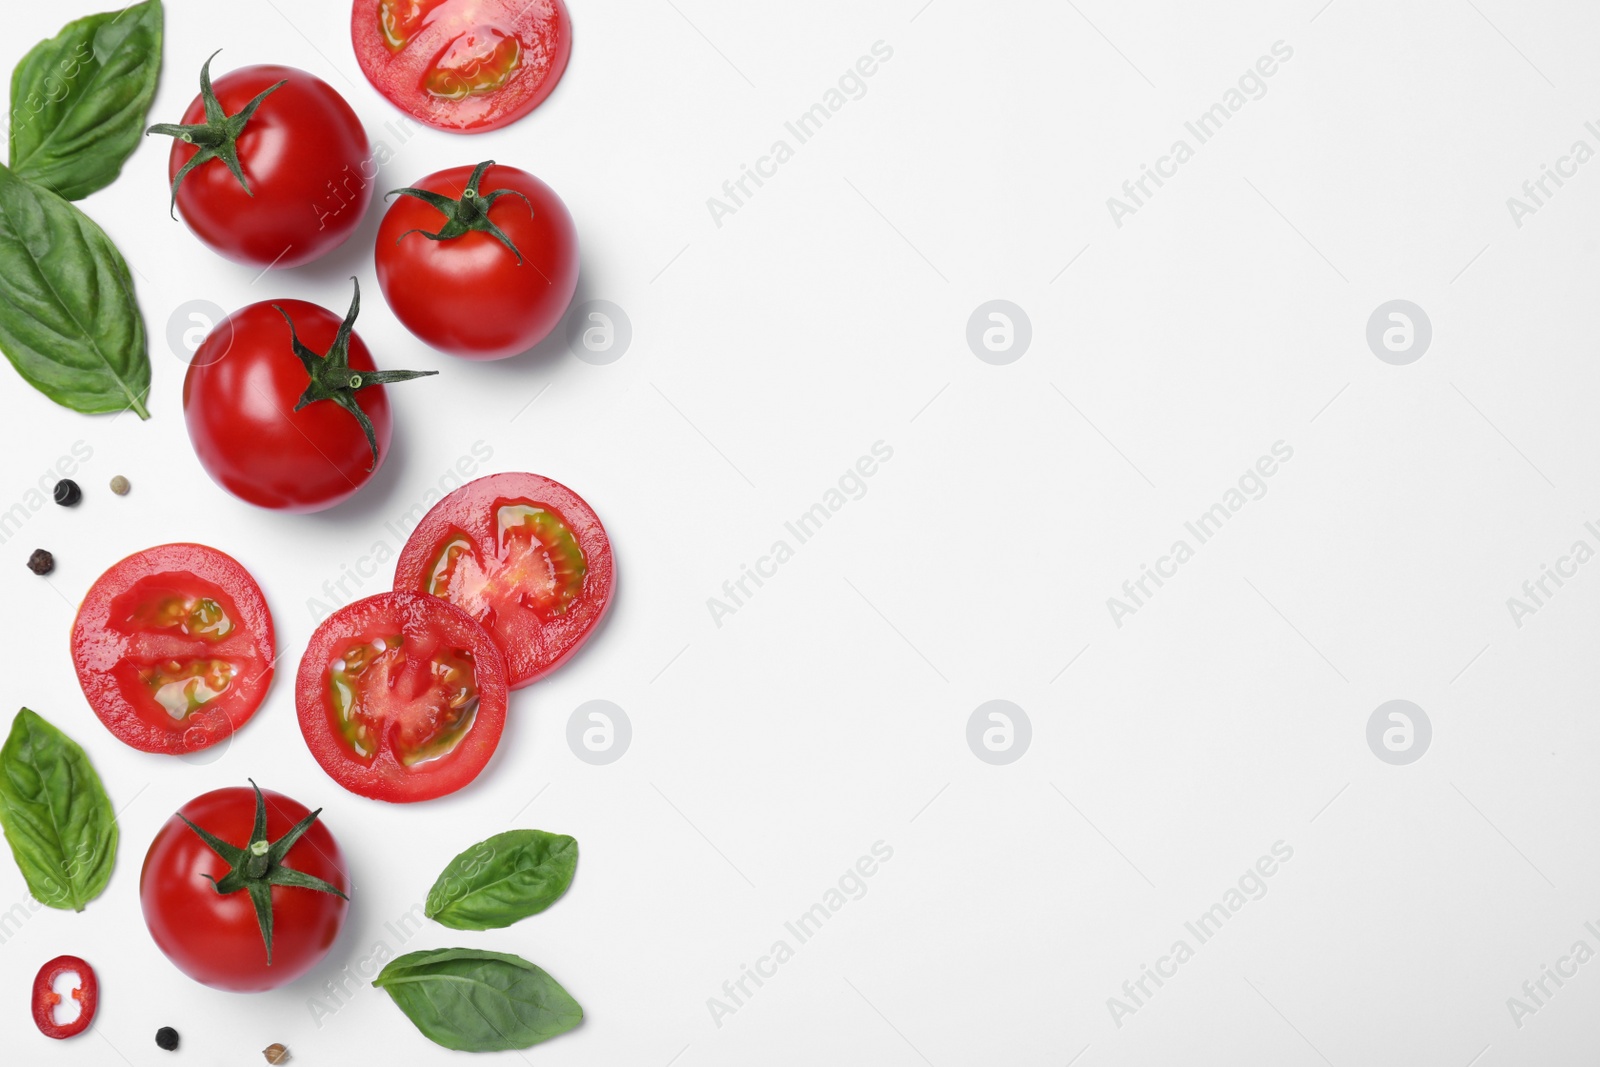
(401, 697)
(539, 569)
(524, 556)
(51, 1013)
(174, 613)
(479, 61)
(463, 64)
(173, 647)
(425, 706)
(480, 55)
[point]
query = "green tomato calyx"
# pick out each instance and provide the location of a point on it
(331, 376)
(217, 137)
(259, 867)
(468, 214)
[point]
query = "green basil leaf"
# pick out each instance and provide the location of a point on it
(506, 878)
(68, 319)
(474, 1001)
(57, 818)
(79, 100)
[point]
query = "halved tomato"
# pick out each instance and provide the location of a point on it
(174, 648)
(525, 556)
(463, 65)
(401, 697)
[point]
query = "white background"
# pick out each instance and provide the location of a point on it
(830, 712)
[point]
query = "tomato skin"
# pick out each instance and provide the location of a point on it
(102, 643)
(308, 162)
(469, 296)
(423, 621)
(214, 938)
(543, 28)
(532, 649)
(239, 397)
(45, 998)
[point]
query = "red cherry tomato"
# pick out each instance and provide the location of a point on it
(463, 65)
(525, 556)
(45, 997)
(240, 398)
(304, 155)
(401, 697)
(475, 295)
(174, 648)
(215, 937)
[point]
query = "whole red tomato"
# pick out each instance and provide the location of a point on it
(275, 868)
(499, 271)
(243, 397)
(270, 166)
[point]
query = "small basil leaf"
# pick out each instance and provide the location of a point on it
(506, 878)
(57, 818)
(69, 322)
(474, 1001)
(79, 100)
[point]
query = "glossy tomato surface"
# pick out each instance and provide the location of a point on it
(463, 65)
(213, 937)
(239, 398)
(174, 648)
(401, 697)
(470, 295)
(308, 162)
(525, 556)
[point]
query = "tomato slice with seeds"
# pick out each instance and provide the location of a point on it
(463, 65)
(525, 556)
(401, 697)
(174, 648)
(86, 992)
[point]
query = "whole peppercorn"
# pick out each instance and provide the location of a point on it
(276, 1053)
(67, 493)
(167, 1038)
(41, 562)
(119, 485)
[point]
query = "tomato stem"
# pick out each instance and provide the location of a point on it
(217, 136)
(331, 376)
(468, 214)
(256, 869)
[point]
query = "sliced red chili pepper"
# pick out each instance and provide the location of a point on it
(45, 997)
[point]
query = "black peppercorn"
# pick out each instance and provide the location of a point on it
(41, 562)
(67, 493)
(167, 1038)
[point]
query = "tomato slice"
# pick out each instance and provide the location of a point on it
(523, 555)
(45, 997)
(463, 65)
(174, 648)
(401, 697)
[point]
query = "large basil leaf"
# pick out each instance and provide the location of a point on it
(79, 100)
(68, 319)
(474, 1001)
(57, 818)
(506, 878)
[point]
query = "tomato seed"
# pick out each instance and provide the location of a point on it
(167, 1038)
(41, 562)
(67, 493)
